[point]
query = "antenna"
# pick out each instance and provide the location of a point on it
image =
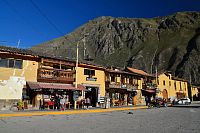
(18, 43)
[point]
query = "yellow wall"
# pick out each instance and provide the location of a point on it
(12, 81)
(29, 71)
(99, 74)
(194, 91)
(172, 92)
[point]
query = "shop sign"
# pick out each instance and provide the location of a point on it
(157, 90)
(91, 79)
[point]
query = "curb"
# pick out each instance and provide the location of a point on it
(22, 114)
(184, 106)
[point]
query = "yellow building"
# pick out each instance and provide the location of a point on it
(146, 85)
(195, 93)
(172, 87)
(128, 86)
(55, 79)
(93, 78)
(16, 67)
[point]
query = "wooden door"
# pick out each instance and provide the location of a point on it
(165, 94)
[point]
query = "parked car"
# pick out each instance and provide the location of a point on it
(185, 101)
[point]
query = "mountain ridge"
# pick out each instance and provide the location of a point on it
(171, 43)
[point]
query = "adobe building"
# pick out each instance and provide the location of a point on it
(92, 77)
(172, 87)
(16, 67)
(146, 85)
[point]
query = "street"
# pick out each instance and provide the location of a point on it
(158, 120)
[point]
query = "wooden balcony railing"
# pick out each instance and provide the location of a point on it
(129, 86)
(148, 86)
(121, 85)
(114, 85)
(55, 75)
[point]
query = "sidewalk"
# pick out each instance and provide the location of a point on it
(66, 112)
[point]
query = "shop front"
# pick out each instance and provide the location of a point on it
(92, 91)
(48, 95)
(119, 96)
(180, 94)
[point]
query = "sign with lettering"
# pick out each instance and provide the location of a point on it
(91, 79)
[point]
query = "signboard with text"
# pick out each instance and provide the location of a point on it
(91, 79)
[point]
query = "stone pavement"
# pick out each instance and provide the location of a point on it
(66, 112)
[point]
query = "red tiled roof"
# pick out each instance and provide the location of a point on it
(138, 71)
(41, 85)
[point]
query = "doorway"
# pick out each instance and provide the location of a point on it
(92, 94)
(165, 94)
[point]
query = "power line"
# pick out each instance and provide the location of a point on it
(45, 16)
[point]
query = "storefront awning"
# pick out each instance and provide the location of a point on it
(41, 85)
(149, 90)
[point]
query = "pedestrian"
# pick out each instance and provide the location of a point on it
(40, 107)
(62, 103)
(87, 102)
(164, 102)
(147, 101)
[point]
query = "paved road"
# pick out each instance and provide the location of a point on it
(162, 120)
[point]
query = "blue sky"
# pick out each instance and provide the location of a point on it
(37, 21)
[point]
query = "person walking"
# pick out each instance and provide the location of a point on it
(87, 102)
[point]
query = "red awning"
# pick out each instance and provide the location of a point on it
(41, 85)
(149, 90)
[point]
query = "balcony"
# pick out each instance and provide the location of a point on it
(148, 86)
(121, 85)
(129, 86)
(55, 75)
(114, 85)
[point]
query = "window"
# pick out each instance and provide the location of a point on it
(11, 63)
(163, 82)
(131, 80)
(169, 83)
(175, 85)
(180, 86)
(185, 86)
(89, 72)
(18, 64)
(3, 62)
(112, 79)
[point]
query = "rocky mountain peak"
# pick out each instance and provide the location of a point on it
(169, 42)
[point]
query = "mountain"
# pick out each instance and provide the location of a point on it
(172, 43)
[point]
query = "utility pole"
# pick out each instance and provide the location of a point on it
(156, 76)
(153, 60)
(84, 50)
(76, 84)
(76, 64)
